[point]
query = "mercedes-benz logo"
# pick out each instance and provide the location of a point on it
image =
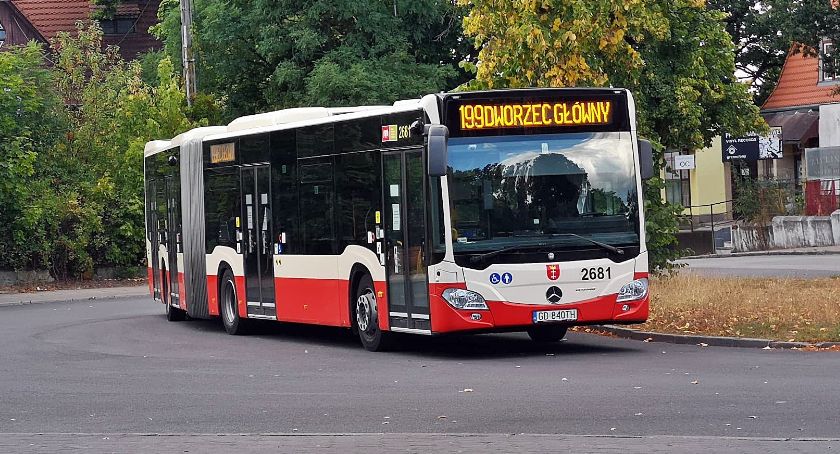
(554, 294)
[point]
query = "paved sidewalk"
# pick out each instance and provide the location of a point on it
(820, 250)
(17, 299)
(375, 443)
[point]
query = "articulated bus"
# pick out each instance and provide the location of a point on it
(490, 211)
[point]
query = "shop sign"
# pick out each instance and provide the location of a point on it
(684, 162)
(753, 147)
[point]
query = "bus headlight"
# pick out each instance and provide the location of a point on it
(464, 299)
(633, 291)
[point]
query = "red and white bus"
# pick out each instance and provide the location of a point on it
(511, 210)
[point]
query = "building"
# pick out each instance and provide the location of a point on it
(806, 106)
(22, 21)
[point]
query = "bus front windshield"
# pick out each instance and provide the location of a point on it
(557, 190)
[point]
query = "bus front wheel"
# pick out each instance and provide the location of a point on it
(365, 316)
(228, 301)
(547, 333)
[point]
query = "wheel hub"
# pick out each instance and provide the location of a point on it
(365, 311)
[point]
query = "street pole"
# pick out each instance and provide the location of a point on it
(187, 50)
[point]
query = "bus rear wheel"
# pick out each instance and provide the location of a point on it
(547, 333)
(366, 319)
(228, 301)
(173, 314)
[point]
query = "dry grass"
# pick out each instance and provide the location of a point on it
(772, 308)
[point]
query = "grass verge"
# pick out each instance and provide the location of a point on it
(806, 310)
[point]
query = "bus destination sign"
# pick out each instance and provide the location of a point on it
(223, 152)
(476, 117)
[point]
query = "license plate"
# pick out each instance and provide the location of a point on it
(560, 315)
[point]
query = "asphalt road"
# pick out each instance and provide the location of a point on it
(767, 266)
(118, 367)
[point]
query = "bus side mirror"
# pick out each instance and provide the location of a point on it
(645, 159)
(437, 137)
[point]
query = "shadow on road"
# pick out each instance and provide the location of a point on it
(454, 346)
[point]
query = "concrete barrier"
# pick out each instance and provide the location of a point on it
(835, 227)
(802, 231)
(747, 238)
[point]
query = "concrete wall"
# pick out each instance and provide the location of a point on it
(20, 277)
(787, 232)
(830, 125)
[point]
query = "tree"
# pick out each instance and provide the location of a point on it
(30, 122)
(765, 31)
(674, 55)
(268, 54)
(97, 171)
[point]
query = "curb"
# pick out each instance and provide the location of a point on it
(27, 300)
(760, 253)
(712, 341)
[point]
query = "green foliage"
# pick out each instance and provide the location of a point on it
(106, 8)
(72, 141)
(267, 54)
(30, 121)
(674, 55)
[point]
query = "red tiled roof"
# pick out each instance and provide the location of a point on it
(798, 85)
(52, 16)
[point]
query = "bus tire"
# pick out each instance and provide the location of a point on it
(547, 333)
(173, 314)
(365, 317)
(228, 305)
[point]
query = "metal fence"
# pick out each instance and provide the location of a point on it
(706, 227)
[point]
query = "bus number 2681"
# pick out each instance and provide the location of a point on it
(593, 274)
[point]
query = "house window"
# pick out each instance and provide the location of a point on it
(677, 183)
(2, 34)
(828, 63)
(118, 26)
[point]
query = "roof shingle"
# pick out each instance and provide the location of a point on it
(52, 16)
(799, 85)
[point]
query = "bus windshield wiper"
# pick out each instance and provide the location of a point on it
(597, 243)
(487, 255)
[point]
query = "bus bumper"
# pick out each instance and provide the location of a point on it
(511, 316)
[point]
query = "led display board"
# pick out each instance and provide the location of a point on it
(536, 111)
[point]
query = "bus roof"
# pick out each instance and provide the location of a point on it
(291, 115)
(300, 115)
(156, 146)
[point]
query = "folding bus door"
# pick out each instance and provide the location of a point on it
(404, 178)
(153, 236)
(259, 232)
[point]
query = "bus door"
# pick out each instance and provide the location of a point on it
(404, 186)
(257, 247)
(154, 237)
(173, 238)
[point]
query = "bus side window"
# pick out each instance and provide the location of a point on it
(316, 206)
(222, 205)
(357, 192)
